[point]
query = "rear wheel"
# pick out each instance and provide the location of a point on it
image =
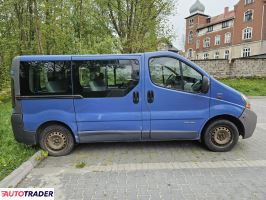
(56, 140)
(221, 136)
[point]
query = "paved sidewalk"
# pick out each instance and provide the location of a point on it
(161, 170)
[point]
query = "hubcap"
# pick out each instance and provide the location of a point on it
(221, 136)
(56, 141)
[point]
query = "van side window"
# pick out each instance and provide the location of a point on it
(105, 78)
(173, 74)
(45, 78)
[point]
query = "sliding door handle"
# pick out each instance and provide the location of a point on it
(135, 97)
(150, 96)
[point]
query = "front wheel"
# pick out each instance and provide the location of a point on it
(56, 140)
(221, 136)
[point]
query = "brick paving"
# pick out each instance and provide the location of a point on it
(160, 170)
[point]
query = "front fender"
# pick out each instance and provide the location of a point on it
(221, 107)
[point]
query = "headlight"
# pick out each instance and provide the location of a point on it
(248, 105)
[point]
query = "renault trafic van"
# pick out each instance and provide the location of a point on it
(60, 101)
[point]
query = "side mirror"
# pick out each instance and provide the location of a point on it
(205, 85)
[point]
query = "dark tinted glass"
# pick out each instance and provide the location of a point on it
(45, 78)
(105, 78)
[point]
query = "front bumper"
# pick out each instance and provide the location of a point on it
(20, 134)
(249, 121)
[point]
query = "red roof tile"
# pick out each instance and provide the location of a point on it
(219, 18)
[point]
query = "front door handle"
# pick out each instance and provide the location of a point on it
(150, 96)
(135, 97)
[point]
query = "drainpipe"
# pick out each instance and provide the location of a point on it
(262, 26)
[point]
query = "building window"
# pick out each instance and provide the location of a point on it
(190, 53)
(248, 16)
(226, 54)
(198, 44)
(206, 42)
(247, 33)
(190, 37)
(217, 40)
(210, 28)
(246, 52)
(216, 55)
(227, 38)
(225, 24)
(206, 56)
(248, 2)
(191, 22)
(208, 20)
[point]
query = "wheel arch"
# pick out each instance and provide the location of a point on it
(230, 118)
(49, 123)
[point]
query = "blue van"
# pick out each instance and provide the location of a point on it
(60, 101)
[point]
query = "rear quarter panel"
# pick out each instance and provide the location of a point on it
(39, 111)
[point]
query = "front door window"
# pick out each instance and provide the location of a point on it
(173, 74)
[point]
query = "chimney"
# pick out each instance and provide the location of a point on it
(226, 11)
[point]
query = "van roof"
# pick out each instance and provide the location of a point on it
(69, 57)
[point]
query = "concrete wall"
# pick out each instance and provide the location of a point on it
(248, 67)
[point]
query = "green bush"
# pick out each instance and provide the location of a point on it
(12, 154)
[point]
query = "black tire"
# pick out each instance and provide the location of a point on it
(56, 140)
(220, 136)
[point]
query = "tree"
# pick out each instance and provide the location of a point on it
(136, 23)
(79, 27)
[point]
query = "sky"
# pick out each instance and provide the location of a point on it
(212, 8)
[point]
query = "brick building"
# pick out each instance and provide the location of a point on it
(240, 32)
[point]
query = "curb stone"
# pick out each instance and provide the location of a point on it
(13, 179)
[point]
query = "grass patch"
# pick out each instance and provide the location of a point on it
(80, 165)
(5, 95)
(12, 154)
(42, 156)
(248, 86)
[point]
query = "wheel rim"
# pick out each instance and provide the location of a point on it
(56, 141)
(221, 136)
